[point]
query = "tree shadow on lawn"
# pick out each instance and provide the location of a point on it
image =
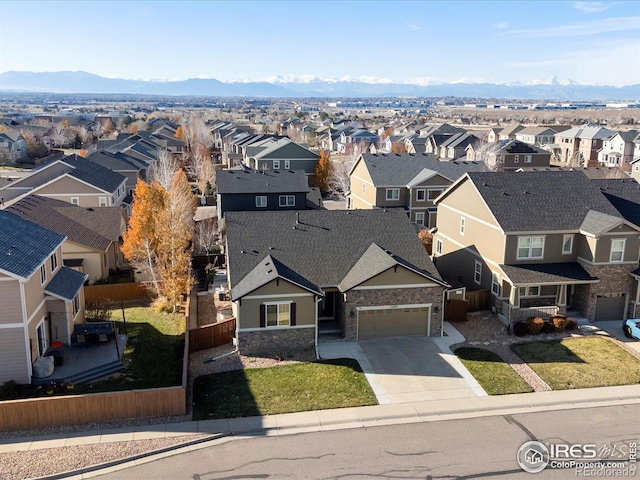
(551, 351)
(282, 389)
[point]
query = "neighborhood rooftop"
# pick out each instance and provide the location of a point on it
(261, 181)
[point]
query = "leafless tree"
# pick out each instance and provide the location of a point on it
(163, 169)
(206, 235)
(488, 153)
(57, 134)
(339, 181)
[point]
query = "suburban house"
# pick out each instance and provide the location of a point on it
(360, 139)
(41, 299)
(13, 146)
(281, 154)
(510, 155)
(509, 132)
(617, 151)
(543, 242)
(455, 146)
(93, 235)
(404, 181)
(493, 135)
(132, 168)
(579, 146)
(72, 179)
(243, 189)
(538, 135)
(364, 272)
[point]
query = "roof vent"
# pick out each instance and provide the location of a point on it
(269, 271)
(242, 251)
(297, 218)
(271, 248)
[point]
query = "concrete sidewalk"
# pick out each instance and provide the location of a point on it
(356, 417)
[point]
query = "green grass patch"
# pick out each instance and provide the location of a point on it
(580, 363)
(290, 388)
(493, 374)
(154, 351)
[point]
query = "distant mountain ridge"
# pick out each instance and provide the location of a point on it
(83, 82)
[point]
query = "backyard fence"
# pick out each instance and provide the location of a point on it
(115, 292)
(478, 300)
(214, 335)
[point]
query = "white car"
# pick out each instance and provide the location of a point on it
(631, 328)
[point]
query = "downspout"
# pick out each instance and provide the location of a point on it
(444, 292)
(318, 299)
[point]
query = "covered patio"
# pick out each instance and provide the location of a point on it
(544, 289)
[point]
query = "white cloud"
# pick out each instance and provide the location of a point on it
(593, 7)
(604, 25)
(415, 27)
(502, 25)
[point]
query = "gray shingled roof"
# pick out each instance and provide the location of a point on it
(540, 201)
(95, 228)
(267, 270)
(398, 169)
(324, 245)
(516, 146)
(551, 273)
(246, 180)
(624, 195)
(66, 283)
(24, 246)
(93, 174)
(118, 162)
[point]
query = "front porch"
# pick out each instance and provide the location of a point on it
(85, 363)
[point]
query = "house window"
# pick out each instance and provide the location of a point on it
(530, 247)
(261, 201)
(102, 201)
(495, 284)
(567, 244)
(287, 164)
(43, 274)
(287, 200)
(516, 159)
(54, 262)
(530, 291)
(41, 332)
(276, 164)
(393, 194)
(420, 218)
(434, 193)
(421, 195)
(76, 305)
(527, 159)
(477, 274)
(617, 250)
(75, 200)
(439, 247)
(278, 314)
(462, 222)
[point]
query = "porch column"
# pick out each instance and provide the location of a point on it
(561, 295)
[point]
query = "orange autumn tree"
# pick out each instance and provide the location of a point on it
(324, 171)
(142, 238)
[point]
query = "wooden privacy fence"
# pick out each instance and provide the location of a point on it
(213, 335)
(96, 407)
(478, 300)
(455, 310)
(115, 292)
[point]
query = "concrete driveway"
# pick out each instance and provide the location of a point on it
(408, 369)
(614, 328)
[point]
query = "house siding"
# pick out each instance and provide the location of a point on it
(11, 311)
(631, 247)
(34, 292)
(92, 260)
(64, 185)
(381, 198)
(240, 202)
(13, 356)
(359, 177)
(395, 276)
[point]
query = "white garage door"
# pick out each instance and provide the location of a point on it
(395, 322)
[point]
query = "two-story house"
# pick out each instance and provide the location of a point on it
(13, 146)
(617, 151)
(41, 299)
(93, 235)
(132, 168)
(404, 181)
(542, 240)
(510, 155)
(281, 154)
(243, 189)
(538, 135)
(579, 146)
(72, 179)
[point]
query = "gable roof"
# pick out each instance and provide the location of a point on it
(322, 246)
(117, 162)
(285, 148)
(24, 246)
(587, 131)
(93, 174)
(516, 146)
(624, 195)
(399, 169)
(66, 283)
(245, 180)
(539, 201)
(95, 228)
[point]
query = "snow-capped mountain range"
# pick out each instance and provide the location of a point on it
(290, 86)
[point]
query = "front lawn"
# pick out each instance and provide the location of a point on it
(289, 388)
(580, 363)
(492, 373)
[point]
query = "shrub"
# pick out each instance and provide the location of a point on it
(559, 323)
(520, 329)
(572, 324)
(534, 325)
(547, 328)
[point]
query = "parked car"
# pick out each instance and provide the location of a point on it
(631, 328)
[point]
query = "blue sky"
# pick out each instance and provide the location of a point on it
(403, 41)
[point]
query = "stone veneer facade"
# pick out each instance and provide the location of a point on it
(276, 341)
(383, 297)
(613, 279)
